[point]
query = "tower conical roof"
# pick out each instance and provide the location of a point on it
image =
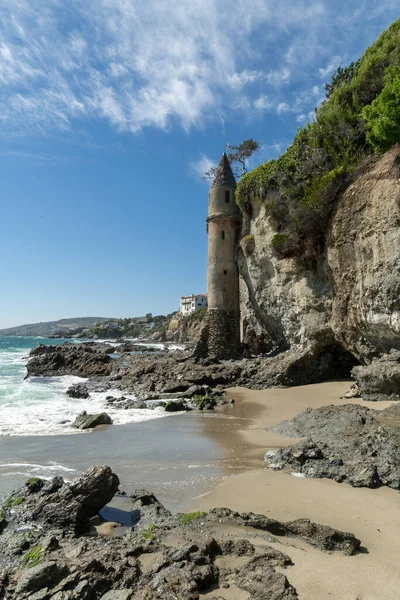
(223, 174)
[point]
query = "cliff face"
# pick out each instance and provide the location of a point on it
(181, 329)
(364, 256)
(350, 298)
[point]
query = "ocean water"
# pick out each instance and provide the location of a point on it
(40, 405)
(177, 456)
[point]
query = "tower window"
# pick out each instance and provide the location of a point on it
(227, 196)
(223, 234)
(225, 272)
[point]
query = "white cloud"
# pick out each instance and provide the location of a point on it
(136, 64)
(301, 118)
(283, 107)
(203, 164)
(263, 103)
(277, 78)
(332, 65)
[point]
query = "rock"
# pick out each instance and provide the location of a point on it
(118, 595)
(47, 574)
(346, 443)
(353, 392)
(258, 576)
(125, 403)
(380, 380)
(78, 390)
(176, 406)
(83, 360)
(320, 536)
(89, 567)
(42, 349)
(34, 484)
(76, 503)
(87, 421)
(203, 402)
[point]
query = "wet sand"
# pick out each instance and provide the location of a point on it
(177, 457)
(372, 515)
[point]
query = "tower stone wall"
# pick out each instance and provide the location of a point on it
(223, 225)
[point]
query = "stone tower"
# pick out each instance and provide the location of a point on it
(223, 223)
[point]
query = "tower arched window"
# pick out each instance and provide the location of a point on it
(227, 196)
(223, 235)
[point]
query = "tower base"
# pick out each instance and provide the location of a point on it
(220, 336)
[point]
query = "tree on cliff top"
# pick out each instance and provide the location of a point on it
(238, 157)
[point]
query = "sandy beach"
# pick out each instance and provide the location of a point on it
(372, 515)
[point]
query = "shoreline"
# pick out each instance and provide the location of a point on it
(200, 461)
(373, 515)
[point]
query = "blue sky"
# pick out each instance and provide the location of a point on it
(109, 112)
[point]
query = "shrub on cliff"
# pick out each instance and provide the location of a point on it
(360, 115)
(383, 114)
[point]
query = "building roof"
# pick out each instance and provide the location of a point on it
(223, 174)
(193, 295)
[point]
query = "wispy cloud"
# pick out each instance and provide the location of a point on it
(277, 78)
(263, 103)
(332, 65)
(203, 164)
(136, 64)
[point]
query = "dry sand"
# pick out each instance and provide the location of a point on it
(372, 515)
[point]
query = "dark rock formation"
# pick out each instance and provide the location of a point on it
(126, 403)
(176, 406)
(45, 575)
(182, 375)
(78, 390)
(53, 560)
(72, 506)
(380, 380)
(82, 360)
(85, 421)
(320, 536)
(346, 443)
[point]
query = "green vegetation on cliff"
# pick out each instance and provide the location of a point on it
(359, 117)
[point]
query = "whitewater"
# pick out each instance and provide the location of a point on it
(40, 406)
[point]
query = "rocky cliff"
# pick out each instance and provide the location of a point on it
(181, 329)
(347, 300)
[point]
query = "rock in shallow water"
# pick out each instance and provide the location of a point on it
(78, 390)
(82, 360)
(87, 421)
(176, 406)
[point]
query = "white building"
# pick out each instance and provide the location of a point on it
(189, 304)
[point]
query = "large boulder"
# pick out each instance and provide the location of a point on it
(88, 421)
(346, 443)
(380, 380)
(76, 503)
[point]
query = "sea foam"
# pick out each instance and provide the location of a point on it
(40, 405)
